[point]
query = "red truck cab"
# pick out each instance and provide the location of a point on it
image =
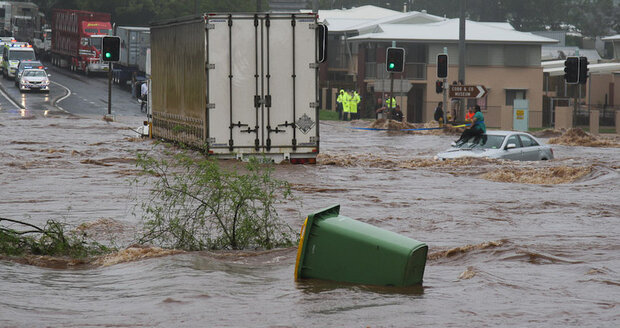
(77, 37)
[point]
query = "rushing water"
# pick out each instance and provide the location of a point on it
(501, 253)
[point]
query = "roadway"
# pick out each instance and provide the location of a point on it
(71, 92)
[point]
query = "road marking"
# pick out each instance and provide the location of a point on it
(55, 104)
(9, 99)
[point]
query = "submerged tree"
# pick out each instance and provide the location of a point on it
(196, 205)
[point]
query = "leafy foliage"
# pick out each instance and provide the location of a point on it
(52, 240)
(195, 205)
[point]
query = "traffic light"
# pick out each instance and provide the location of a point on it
(571, 70)
(439, 86)
(583, 70)
(111, 48)
(395, 59)
(442, 66)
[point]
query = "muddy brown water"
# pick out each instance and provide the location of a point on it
(503, 250)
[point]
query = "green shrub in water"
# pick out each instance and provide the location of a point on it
(196, 205)
(52, 240)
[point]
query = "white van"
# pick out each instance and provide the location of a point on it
(12, 54)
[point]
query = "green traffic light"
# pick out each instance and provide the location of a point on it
(392, 65)
(108, 55)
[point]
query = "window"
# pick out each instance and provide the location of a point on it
(527, 141)
(104, 31)
(91, 30)
(96, 42)
(21, 55)
(486, 142)
(513, 140)
(512, 94)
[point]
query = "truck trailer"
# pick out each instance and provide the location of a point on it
(135, 43)
(238, 85)
(77, 37)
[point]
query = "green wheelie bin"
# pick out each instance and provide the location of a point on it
(338, 248)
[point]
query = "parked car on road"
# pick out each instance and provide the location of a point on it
(26, 64)
(510, 145)
(34, 79)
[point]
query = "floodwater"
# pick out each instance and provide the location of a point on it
(510, 244)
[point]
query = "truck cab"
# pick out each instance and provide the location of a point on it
(12, 54)
(91, 42)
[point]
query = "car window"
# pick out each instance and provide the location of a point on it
(35, 73)
(513, 139)
(527, 141)
(491, 142)
(21, 55)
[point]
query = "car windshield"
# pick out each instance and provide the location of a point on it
(485, 142)
(35, 73)
(21, 55)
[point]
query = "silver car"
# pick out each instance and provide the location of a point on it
(34, 79)
(511, 145)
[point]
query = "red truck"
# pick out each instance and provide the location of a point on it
(77, 37)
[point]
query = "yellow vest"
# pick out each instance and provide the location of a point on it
(354, 101)
(346, 102)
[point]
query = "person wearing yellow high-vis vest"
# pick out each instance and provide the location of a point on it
(390, 103)
(340, 103)
(354, 101)
(346, 106)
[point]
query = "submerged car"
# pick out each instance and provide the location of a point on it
(34, 79)
(510, 145)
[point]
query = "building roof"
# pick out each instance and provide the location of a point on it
(368, 25)
(552, 52)
(448, 31)
(363, 12)
(611, 38)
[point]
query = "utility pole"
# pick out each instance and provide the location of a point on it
(462, 6)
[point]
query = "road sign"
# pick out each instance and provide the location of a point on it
(467, 91)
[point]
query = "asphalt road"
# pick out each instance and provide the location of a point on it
(71, 92)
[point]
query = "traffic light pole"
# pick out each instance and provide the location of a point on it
(109, 88)
(391, 102)
(445, 98)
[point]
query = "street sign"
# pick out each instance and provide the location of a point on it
(467, 91)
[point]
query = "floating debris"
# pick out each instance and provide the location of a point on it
(134, 253)
(578, 137)
(545, 175)
(464, 249)
(468, 273)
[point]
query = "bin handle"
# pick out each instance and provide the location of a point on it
(300, 247)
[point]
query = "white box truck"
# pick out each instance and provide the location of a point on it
(135, 42)
(239, 85)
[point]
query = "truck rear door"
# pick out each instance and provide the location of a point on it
(261, 85)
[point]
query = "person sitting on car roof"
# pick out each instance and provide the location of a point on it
(477, 128)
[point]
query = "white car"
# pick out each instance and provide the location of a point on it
(511, 145)
(34, 79)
